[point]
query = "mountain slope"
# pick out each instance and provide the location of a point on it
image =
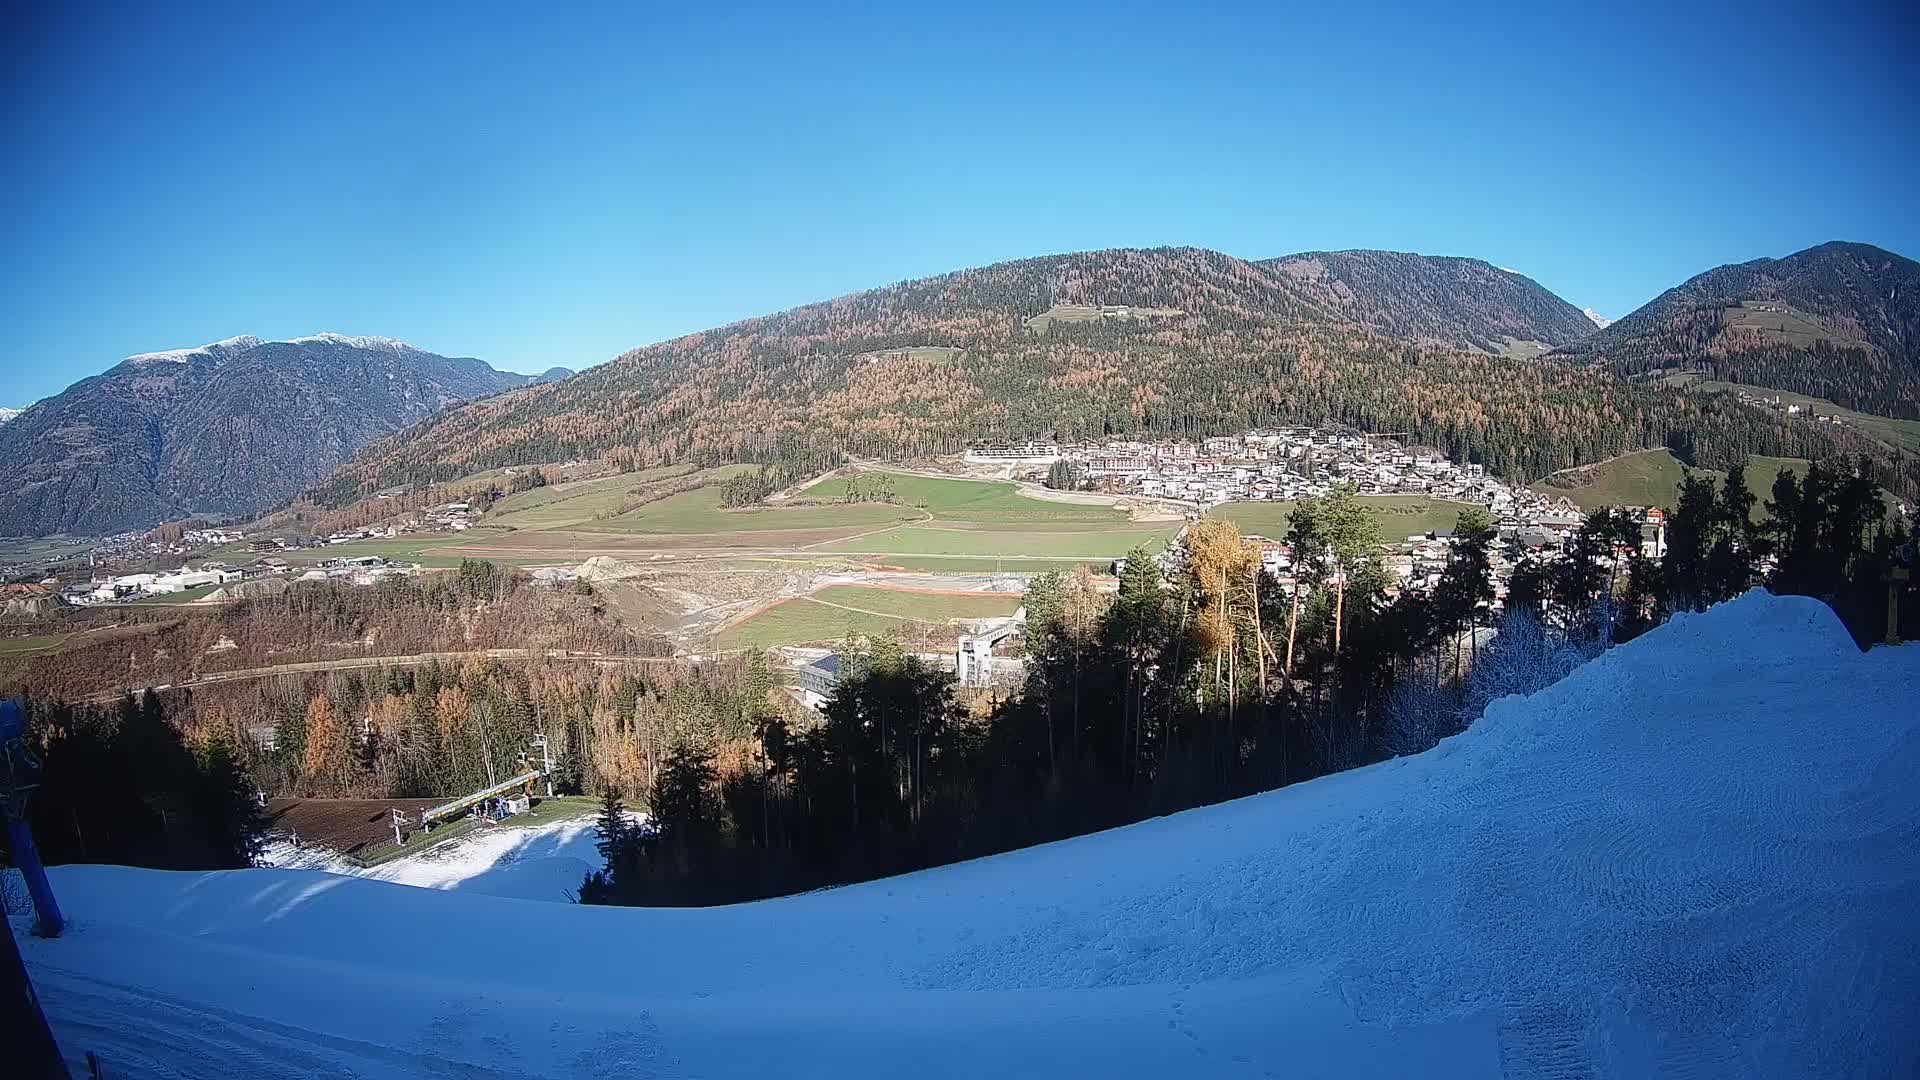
(227, 428)
(1618, 876)
(1456, 302)
(1839, 321)
(1169, 341)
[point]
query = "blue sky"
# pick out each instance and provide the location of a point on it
(542, 188)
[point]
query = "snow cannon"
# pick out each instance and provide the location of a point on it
(19, 775)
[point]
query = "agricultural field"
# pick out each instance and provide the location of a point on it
(929, 516)
(560, 505)
(1095, 545)
(985, 501)
(40, 552)
(1400, 516)
(698, 512)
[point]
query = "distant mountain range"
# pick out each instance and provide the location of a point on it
(1839, 321)
(1457, 353)
(227, 428)
(1596, 318)
(9, 414)
(1454, 353)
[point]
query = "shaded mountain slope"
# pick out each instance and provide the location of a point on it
(228, 428)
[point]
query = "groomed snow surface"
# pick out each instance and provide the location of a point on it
(544, 862)
(1698, 856)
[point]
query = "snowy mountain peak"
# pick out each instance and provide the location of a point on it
(8, 414)
(220, 349)
(328, 337)
(212, 348)
(1599, 320)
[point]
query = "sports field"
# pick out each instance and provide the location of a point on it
(801, 621)
(920, 605)
(1400, 516)
(982, 564)
(837, 611)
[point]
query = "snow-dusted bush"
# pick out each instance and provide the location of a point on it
(1421, 710)
(1523, 657)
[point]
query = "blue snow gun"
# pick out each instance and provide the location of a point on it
(19, 775)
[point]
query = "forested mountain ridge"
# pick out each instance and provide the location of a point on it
(227, 428)
(1190, 342)
(1839, 321)
(1438, 300)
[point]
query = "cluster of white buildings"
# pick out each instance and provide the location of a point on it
(360, 570)
(1279, 465)
(1775, 403)
(124, 587)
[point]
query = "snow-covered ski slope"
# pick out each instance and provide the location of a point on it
(539, 862)
(1698, 856)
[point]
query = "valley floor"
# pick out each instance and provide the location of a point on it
(1695, 857)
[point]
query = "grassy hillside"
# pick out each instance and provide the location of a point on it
(1648, 478)
(1653, 478)
(1903, 435)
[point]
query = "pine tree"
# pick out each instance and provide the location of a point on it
(235, 831)
(615, 830)
(684, 812)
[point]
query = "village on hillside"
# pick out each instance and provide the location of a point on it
(1287, 465)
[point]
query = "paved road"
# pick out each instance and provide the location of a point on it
(416, 660)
